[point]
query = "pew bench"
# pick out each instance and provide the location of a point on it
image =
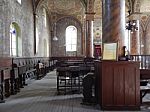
(40, 70)
(1, 87)
(144, 79)
(144, 74)
(143, 91)
(30, 74)
(6, 78)
(14, 80)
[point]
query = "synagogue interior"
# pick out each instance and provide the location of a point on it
(74, 55)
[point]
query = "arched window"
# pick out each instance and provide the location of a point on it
(71, 38)
(15, 40)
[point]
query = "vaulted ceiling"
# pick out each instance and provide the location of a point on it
(77, 8)
(84, 2)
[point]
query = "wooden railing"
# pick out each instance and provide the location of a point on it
(143, 59)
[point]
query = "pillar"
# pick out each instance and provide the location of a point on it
(34, 26)
(83, 41)
(135, 41)
(89, 28)
(89, 38)
(113, 27)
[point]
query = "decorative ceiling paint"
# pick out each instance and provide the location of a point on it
(66, 6)
(73, 8)
(98, 9)
(144, 6)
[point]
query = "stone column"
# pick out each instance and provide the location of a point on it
(114, 22)
(2, 27)
(34, 26)
(89, 39)
(83, 40)
(135, 41)
(89, 19)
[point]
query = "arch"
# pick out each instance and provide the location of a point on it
(146, 37)
(42, 32)
(61, 26)
(15, 40)
(69, 17)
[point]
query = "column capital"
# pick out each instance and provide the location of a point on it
(90, 15)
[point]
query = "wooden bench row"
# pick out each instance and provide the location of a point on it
(144, 61)
(14, 72)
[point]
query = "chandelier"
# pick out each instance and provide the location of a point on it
(132, 25)
(55, 38)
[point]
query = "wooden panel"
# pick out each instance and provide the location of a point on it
(145, 73)
(107, 90)
(6, 74)
(120, 85)
(5, 62)
(129, 86)
(16, 73)
(0, 75)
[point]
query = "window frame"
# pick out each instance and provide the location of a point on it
(70, 40)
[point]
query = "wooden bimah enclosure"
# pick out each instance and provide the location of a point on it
(118, 85)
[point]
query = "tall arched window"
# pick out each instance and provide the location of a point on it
(15, 40)
(71, 38)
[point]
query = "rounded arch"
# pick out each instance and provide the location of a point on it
(61, 26)
(69, 17)
(146, 37)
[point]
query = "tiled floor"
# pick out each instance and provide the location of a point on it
(41, 96)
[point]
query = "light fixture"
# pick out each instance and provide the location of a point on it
(54, 21)
(132, 25)
(55, 37)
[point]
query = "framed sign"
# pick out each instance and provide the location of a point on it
(97, 51)
(110, 51)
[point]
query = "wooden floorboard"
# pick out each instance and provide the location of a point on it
(41, 96)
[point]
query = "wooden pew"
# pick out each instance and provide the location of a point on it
(27, 68)
(145, 77)
(40, 70)
(5, 64)
(7, 85)
(14, 80)
(144, 73)
(1, 87)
